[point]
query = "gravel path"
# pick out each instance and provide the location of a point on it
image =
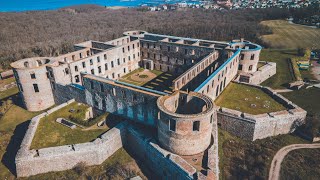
(274, 172)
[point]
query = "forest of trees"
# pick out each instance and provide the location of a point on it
(49, 33)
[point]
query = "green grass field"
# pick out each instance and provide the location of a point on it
(128, 79)
(301, 164)
(242, 159)
(59, 134)
(10, 123)
(13, 124)
(308, 99)
(9, 92)
(284, 75)
(291, 36)
(234, 96)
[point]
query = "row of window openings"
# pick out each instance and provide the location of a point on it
(98, 58)
(195, 124)
(242, 57)
(123, 93)
(241, 67)
(123, 49)
(122, 41)
(169, 48)
(106, 65)
(160, 57)
(77, 77)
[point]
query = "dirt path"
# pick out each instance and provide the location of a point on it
(274, 172)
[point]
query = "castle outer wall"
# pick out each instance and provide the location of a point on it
(252, 127)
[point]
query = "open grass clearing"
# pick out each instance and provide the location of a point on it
(247, 99)
(4, 82)
(301, 164)
(13, 125)
(242, 159)
(12, 128)
(308, 99)
(50, 133)
(140, 76)
(284, 75)
(291, 36)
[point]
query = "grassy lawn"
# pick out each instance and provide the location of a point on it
(234, 96)
(307, 99)
(301, 164)
(241, 159)
(291, 36)
(307, 75)
(6, 81)
(12, 125)
(260, 64)
(128, 77)
(8, 93)
(161, 82)
(58, 134)
(283, 76)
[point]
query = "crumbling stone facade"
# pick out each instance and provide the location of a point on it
(186, 117)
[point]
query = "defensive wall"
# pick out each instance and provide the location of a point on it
(36, 161)
(174, 54)
(133, 102)
(196, 69)
(263, 73)
(185, 122)
(220, 78)
(63, 93)
(252, 127)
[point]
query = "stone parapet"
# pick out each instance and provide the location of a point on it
(252, 127)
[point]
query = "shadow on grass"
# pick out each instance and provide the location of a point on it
(8, 158)
(163, 82)
(145, 169)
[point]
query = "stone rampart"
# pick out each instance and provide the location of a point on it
(164, 164)
(63, 93)
(252, 127)
(263, 73)
(118, 98)
(32, 162)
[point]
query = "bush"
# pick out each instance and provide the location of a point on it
(80, 168)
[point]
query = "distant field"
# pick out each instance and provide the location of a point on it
(291, 36)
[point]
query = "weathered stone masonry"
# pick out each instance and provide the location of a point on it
(260, 126)
(186, 121)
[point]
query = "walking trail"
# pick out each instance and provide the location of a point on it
(274, 172)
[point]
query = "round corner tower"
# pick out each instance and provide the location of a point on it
(249, 55)
(185, 122)
(33, 82)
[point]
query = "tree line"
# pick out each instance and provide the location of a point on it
(50, 33)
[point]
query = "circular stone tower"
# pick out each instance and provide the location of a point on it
(185, 122)
(33, 82)
(249, 55)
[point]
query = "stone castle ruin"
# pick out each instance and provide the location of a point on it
(185, 116)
